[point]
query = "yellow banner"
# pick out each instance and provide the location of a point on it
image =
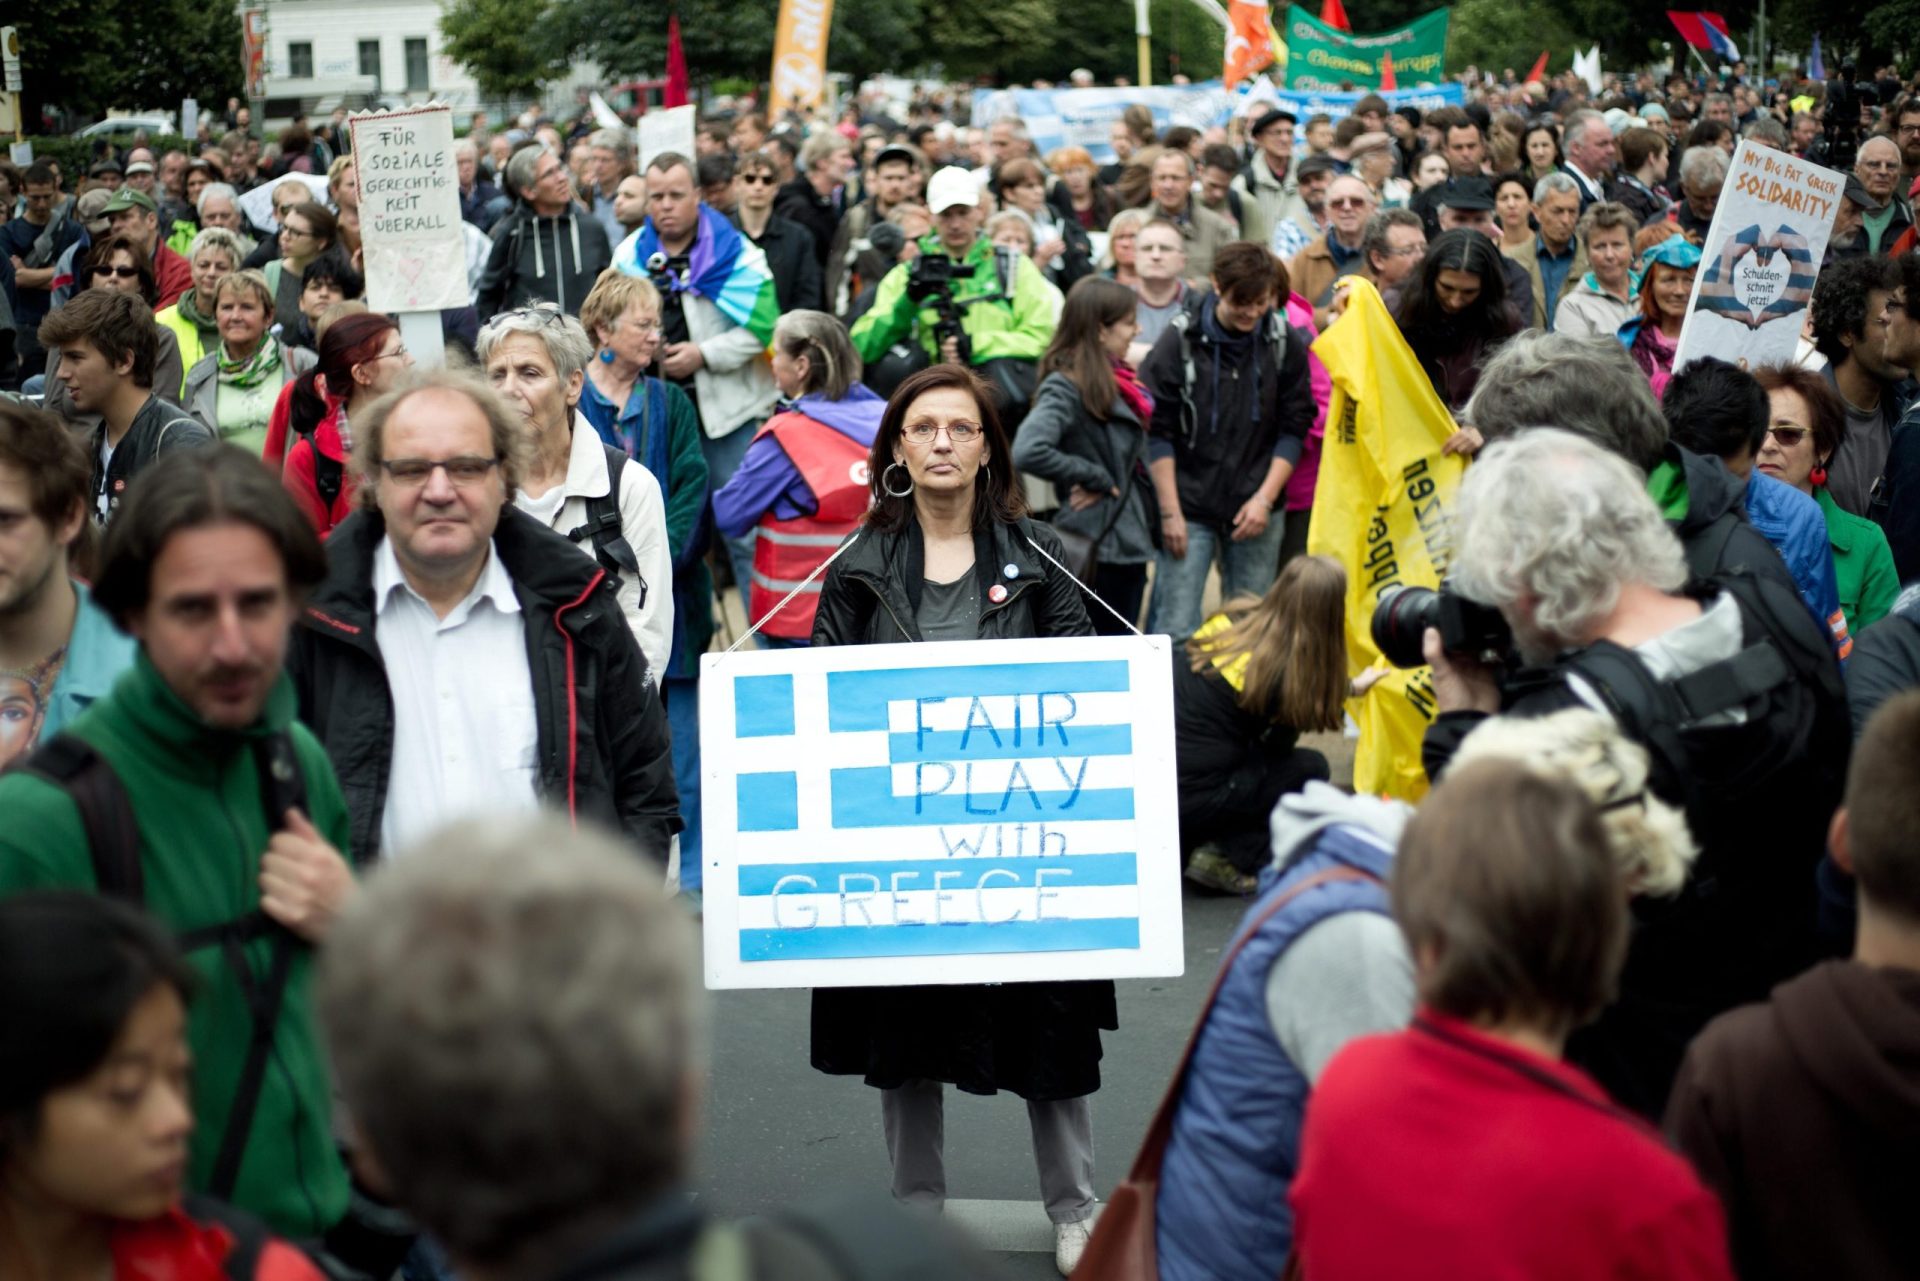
(1383, 508)
(800, 54)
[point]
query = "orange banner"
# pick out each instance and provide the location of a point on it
(800, 54)
(1248, 49)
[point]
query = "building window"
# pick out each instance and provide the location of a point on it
(417, 65)
(300, 60)
(370, 61)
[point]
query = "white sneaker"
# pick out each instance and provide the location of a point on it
(1069, 1243)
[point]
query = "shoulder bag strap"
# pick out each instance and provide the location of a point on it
(106, 813)
(1153, 1149)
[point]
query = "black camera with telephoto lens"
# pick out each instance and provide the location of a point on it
(930, 283)
(1467, 628)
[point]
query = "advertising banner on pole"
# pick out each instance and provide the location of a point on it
(1762, 255)
(966, 812)
(1324, 57)
(799, 78)
(410, 236)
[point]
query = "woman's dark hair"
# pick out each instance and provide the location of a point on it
(348, 341)
(1706, 133)
(1540, 126)
(320, 221)
(999, 499)
(1138, 118)
(335, 268)
(1462, 249)
(193, 489)
(72, 967)
(1828, 419)
(1518, 178)
(1093, 303)
(101, 255)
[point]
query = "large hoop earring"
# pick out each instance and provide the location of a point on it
(887, 485)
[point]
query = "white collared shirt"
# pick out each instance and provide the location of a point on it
(465, 737)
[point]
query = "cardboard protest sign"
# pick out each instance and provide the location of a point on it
(1763, 252)
(257, 204)
(965, 812)
(665, 129)
(411, 240)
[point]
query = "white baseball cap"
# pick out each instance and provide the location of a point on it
(951, 186)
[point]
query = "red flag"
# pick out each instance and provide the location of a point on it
(1334, 14)
(1539, 71)
(1387, 82)
(1706, 32)
(675, 94)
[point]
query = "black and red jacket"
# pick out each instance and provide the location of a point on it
(602, 732)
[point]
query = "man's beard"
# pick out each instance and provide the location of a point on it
(27, 596)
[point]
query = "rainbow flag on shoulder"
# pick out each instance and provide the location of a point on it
(723, 267)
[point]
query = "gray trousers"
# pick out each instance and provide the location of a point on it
(915, 1118)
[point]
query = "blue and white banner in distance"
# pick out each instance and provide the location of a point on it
(1085, 117)
(984, 811)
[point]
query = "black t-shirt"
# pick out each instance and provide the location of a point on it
(673, 318)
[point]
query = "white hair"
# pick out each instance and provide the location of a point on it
(1554, 184)
(217, 191)
(1552, 518)
(567, 344)
(1648, 837)
(1703, 168)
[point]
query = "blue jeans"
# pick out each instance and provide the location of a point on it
(1246, 569)
(723, 459)
(683, 723)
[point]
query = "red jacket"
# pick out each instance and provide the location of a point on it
(1442, 1152)
(273, 450)
(202, 1241)
(172, 275)
(297, 475)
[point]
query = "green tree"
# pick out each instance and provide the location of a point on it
(1507, 33)
(998, 40)
(86, 59)
(505, 45)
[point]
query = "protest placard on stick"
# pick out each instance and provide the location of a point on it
(1762, 255)
(965, 812)
(412, 245)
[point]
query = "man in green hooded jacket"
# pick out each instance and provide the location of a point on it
(1013, 315)
(206, 565)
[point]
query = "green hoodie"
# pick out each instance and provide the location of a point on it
(1021, 327)
(196, 796)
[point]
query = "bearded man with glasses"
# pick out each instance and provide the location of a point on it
(461, 658)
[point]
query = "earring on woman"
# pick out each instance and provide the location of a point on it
(887, 484)
(1818, 476)
(606, 355)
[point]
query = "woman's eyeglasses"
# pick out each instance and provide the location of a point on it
(958, 433)
(1789, 437)
(124, 273)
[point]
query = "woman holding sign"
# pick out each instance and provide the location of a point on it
(948, 554)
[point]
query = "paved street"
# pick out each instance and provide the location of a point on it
(777, 1131)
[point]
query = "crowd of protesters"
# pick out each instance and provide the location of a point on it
(1633, 992)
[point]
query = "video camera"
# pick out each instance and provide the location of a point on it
(1846, 100)
(930, 283)
(1467, 628)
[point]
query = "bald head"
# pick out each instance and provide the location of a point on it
(1878, 167)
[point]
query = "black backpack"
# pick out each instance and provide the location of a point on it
(113, 841)
(610, 547)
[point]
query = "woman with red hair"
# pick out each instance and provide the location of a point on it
(361, 356)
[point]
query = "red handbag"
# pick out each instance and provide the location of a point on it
(1122, 1247)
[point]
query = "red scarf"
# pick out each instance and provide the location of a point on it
(1132, 392)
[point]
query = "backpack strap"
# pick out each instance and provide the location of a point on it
(106, 813)
(610, 545)
(329, 477)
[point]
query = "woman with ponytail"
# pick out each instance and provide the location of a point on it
(803, 482)
(361, 356)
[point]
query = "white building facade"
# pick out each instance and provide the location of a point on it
(359, 54)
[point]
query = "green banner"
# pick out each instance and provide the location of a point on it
(1320, 57)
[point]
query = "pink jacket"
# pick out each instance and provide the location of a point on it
(1300, 486)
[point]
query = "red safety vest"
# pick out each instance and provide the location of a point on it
(834, 467)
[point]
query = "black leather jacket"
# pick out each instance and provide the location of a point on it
(870, 593)
(601, 729)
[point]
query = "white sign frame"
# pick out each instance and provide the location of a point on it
(410, 235)
(826, 757)
(1784, 207)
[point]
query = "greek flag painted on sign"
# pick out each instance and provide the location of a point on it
(987, 811)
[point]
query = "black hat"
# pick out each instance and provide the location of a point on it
(898, 151)
(1271, 117)
(1467, 193)
(1307, 166)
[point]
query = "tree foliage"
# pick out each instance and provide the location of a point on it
(1507, 33)
(505, 45)
(86, 58)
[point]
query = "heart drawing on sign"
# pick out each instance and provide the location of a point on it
(1756, 278)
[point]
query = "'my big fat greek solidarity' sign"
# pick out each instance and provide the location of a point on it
(979, 811)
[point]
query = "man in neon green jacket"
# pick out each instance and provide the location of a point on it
(1018, 324)
(206, 565)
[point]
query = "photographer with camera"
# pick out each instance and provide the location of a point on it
(959, 301)
(1727, 681)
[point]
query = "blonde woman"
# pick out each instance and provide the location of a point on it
(235, 386)
(1256, 676)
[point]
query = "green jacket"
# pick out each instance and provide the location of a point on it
(196, 795)
(1862, 565)
(1020, 327)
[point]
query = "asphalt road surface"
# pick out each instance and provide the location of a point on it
(777, 1132)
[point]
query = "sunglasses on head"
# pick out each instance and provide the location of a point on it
(124, 273)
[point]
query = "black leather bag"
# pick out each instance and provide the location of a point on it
(1079, 552)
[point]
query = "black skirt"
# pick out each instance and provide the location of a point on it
(1039, 1040)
